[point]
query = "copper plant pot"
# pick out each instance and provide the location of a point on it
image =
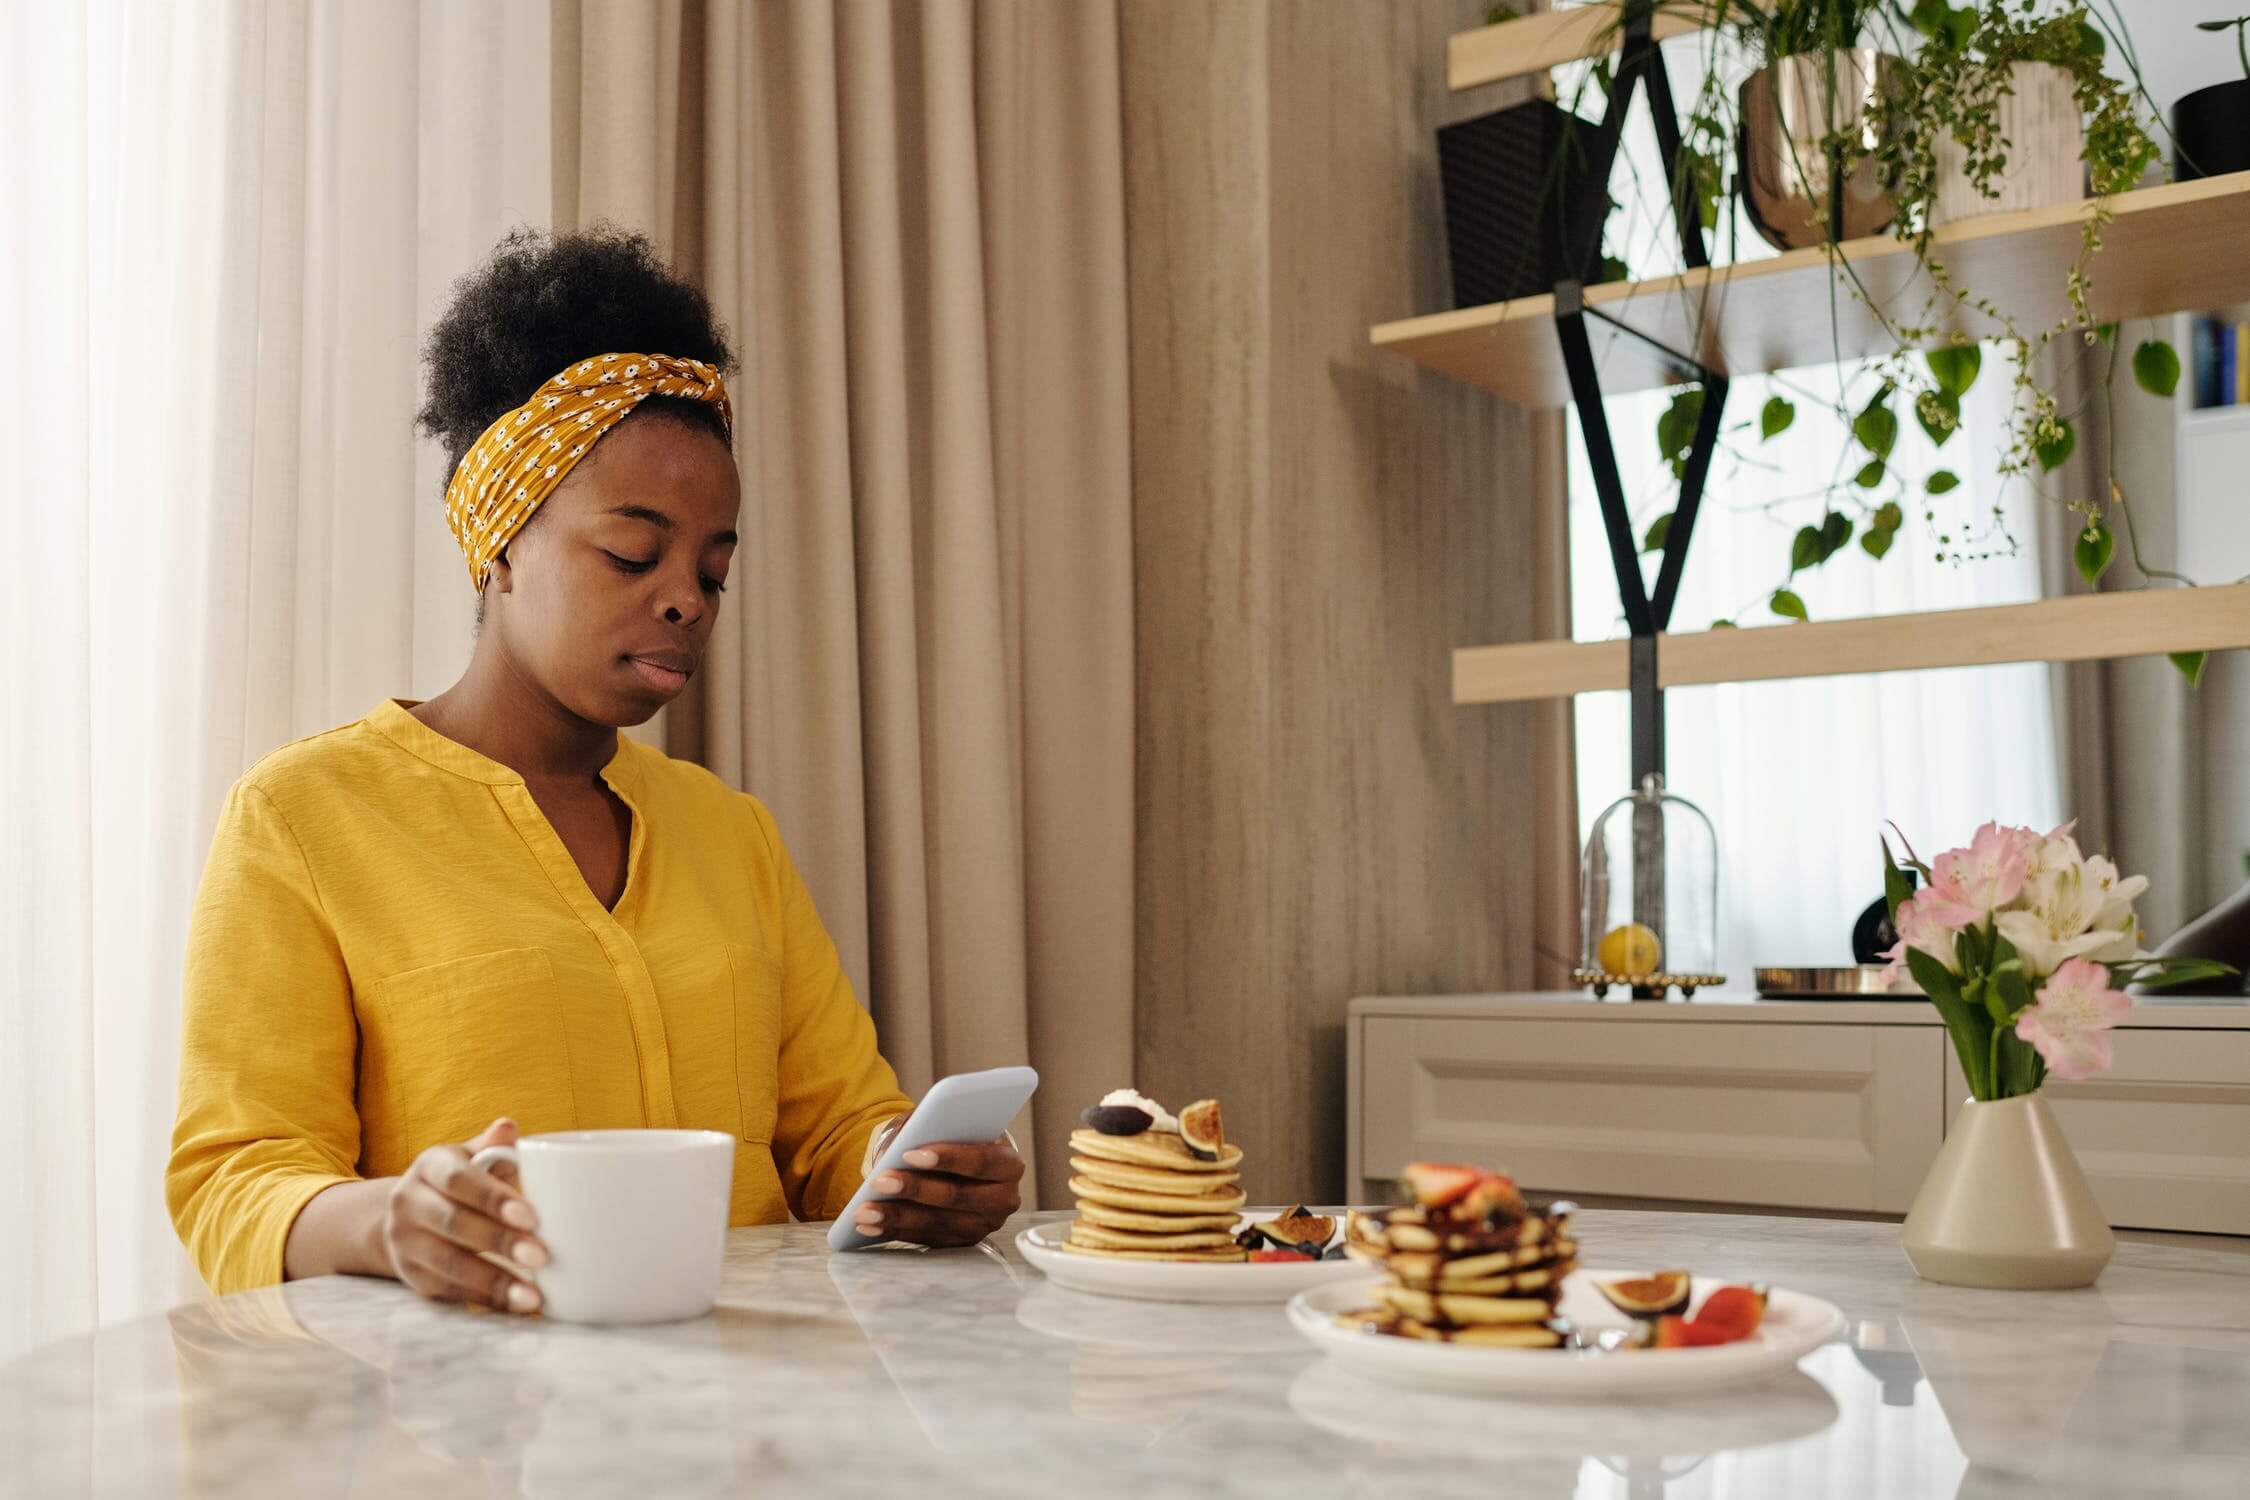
(1796, 113)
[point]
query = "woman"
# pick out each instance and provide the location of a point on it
(422, 930)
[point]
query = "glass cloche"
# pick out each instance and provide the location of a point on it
(1649, 897)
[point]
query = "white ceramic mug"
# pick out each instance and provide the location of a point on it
(634, 1221)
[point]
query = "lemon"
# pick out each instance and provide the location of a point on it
(1631, 950)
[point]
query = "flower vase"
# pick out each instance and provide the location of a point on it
(2005, 1204)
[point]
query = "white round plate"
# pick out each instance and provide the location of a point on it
(1178, 1280)
(1794, 1326)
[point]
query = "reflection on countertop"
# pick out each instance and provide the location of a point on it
(902, 1372)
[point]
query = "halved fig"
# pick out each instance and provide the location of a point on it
(1494, 1199)
(1297, 1227)
(1117, 1119)
(1648, 1296)
(1200, 1130)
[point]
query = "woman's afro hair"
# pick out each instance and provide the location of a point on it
(544, 301)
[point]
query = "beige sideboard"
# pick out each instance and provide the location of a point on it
(1786, 1104)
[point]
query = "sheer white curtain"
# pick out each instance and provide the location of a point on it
(1798, 777)
(223, 227)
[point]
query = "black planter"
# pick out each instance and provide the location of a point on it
(2211, 131)
(1511, 179)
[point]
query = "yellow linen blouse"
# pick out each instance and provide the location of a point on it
(392, 947)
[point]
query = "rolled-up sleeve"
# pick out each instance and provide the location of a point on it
(268, 1053)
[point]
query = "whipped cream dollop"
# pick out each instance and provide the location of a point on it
(1156, 1112)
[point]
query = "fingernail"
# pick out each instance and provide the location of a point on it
(869, 1214)
(888, 1183)
(921, 1158)
(522, 1298)
(517, 1212)
(529, 1254)
(870, 1230)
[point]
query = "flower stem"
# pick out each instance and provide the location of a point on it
(1992, 1066)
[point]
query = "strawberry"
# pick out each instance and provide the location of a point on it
(1436, 1184)
(1676, 1332)
(1267, 1257)
(1731, 1313)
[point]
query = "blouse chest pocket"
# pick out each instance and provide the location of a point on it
(456, 1045)
(757, 1038)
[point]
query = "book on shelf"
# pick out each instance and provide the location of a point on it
(2219, 355)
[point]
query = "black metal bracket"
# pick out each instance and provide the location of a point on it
(1646, 614)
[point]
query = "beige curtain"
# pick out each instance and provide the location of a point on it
(2129, 733)
(911, 216)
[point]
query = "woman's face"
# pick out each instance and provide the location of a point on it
(607, 598)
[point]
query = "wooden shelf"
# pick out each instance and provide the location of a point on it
(1533, 44)
(2167, 249)
(2082, 627)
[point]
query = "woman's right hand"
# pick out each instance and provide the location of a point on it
(444, 1211)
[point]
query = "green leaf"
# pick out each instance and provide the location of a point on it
(2190, 664)
(1675, 429)
(1888, 517)
(1495, 14)
(2156, 368)
(1722, 624)
(1875, 541)
(1954, 368)
(2216, 25)
(1870, 474)
(1876, 427)
(1835, 530)
(1804, 549)
(2097, 544)
(1970, 1027)
(1786, 603)
(2055, 452)
(1775, 417)
(2106, 332)
(1947, 418)
(1612, 269)
(2164, 973)
(1658, 530)
(1942, 481)
(1896, 887)
(2090, 41)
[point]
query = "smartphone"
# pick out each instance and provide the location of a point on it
(965, 1107)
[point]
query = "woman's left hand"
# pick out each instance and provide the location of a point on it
(954, 1195)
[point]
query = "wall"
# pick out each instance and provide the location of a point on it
(1316, 527)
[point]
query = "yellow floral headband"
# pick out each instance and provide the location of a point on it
(511, 470)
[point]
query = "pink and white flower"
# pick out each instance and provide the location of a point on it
(2074, 910)
(1968, 885)
(2069, 1022)
(1920, 927)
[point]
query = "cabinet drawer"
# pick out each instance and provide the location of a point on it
(2163, 1136)
(1813, 1116)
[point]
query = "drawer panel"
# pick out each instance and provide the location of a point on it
(1815, 1116)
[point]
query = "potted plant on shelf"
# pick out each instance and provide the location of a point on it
(1992, 121)
(2211, 126)
(2022, 944)
(1809, 119)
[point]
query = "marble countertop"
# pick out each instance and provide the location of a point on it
(905, 1373)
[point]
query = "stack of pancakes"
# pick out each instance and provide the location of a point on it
(1147, 1197)
(1491, 1280)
